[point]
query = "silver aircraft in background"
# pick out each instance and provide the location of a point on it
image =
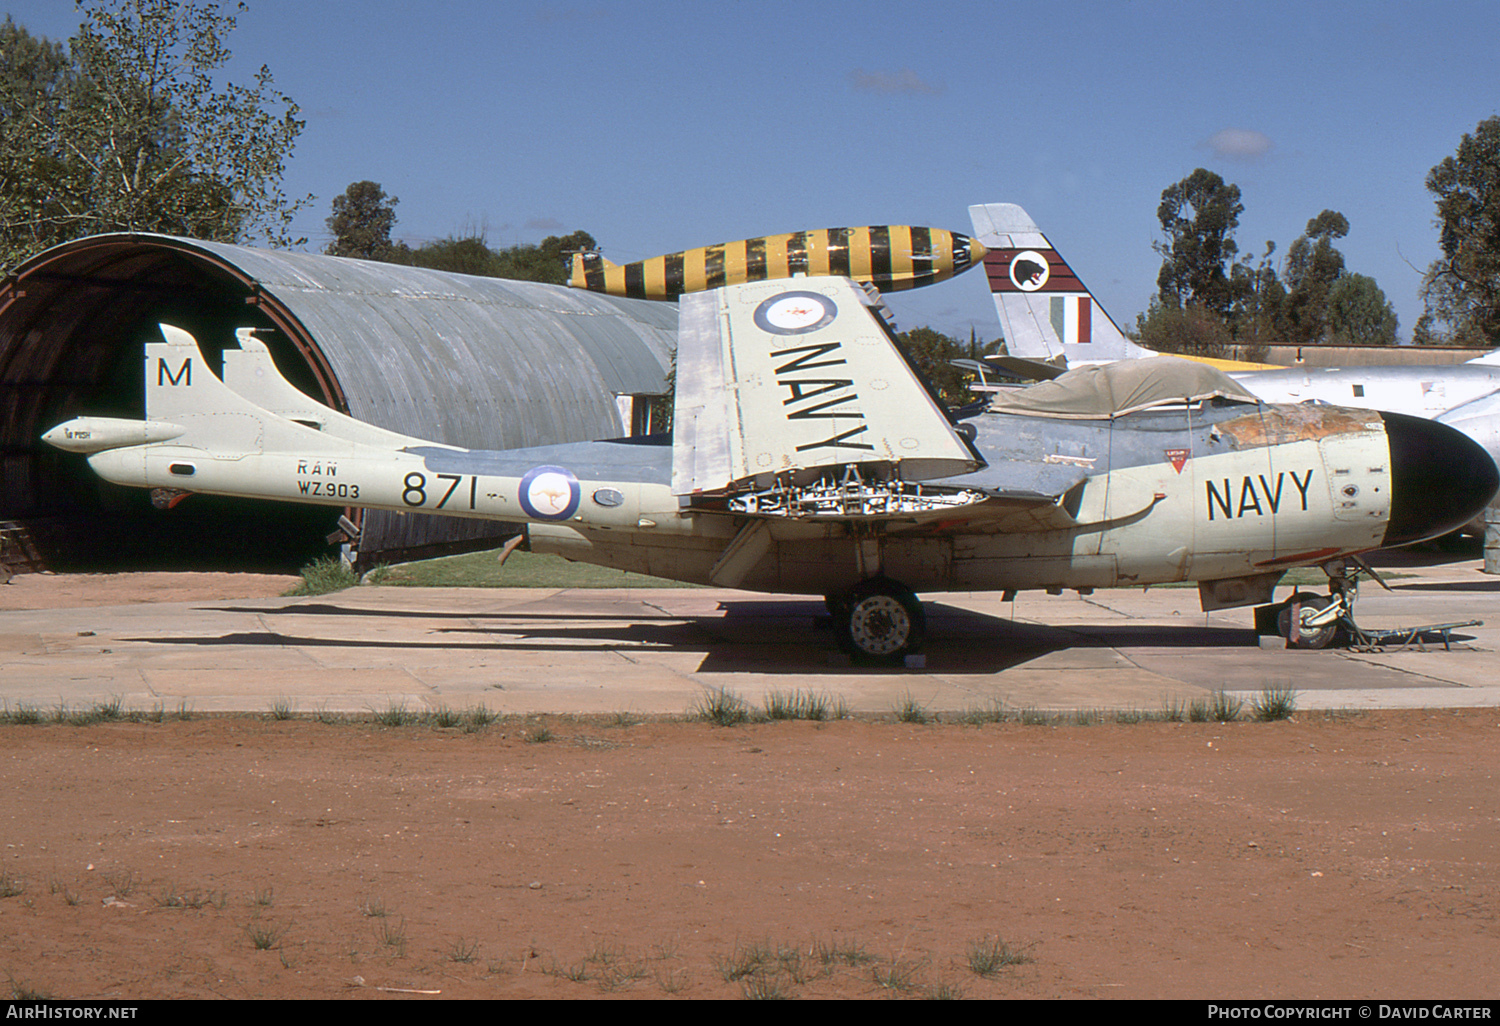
(1050, 317)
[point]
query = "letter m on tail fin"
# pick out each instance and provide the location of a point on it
(165, 376)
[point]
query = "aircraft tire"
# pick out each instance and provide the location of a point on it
(882, 622)
(1317, 637)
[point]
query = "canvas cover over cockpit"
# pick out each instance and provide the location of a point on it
(1102, 391)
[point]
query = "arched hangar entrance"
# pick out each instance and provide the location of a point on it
(477, 362)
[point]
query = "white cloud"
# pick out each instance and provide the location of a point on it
(1239, 144)
(890, 82)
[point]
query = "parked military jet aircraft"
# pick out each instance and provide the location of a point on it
(1047, 312)
(808, 457)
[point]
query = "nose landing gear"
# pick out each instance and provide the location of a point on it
(1311, 621)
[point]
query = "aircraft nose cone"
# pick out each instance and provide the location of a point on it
(966, 252)
(1440, 479)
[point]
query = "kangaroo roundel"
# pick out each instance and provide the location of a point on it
(795, 313)
(549, 493)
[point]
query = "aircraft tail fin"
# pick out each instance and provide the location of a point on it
(252, 373)
(181, 389)
(1045, 309)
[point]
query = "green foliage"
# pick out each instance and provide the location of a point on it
(1190, 330)
(989, 955)
(909, 710)
(1312, 267)
(933, 354)
(1274, 703)
(323, 576)
(128, 133)
(470, 253)
(722, 708)
(1199, 250)
(1208, 300)
(804, 705)
(1462, 287)
(361, 223)
(1359, 314)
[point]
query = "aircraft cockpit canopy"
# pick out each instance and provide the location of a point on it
(1102, 391)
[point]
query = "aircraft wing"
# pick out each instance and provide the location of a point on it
(793, 375)
(1032, 370)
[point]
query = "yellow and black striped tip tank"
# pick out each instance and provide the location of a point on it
(891, 257)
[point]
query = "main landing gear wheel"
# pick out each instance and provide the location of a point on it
(882, 621)
(1307, 637)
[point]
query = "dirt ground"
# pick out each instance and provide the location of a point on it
(1328, 857)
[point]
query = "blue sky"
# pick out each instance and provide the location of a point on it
(658, 125)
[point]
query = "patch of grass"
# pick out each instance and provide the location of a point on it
(184, 712)
(463, 951)
(477, 716)
(840, 953)
(393, 936)
(75, 717)
(22, 715)
(994, 712)
(122, 881)
(538, 735)
(988, 955)
(324, 576)
(1274, 703)
(804, 705)
(898, 976)
(446, 718)
(281, 709)
(264, 936)
(521, 570)
(11, 885)
(766, 988)
(909, 710)
(22, 991)
(374, 908)
(70, 896)
(722, 709)
(396, 714)
(171, 897)
(265, 896)
(1224, 708)
(763, 968)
